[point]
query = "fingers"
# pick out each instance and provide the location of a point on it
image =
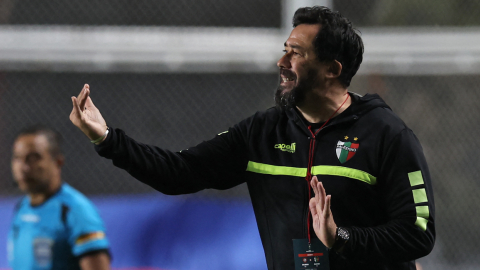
(89, 104)
(326, 211)
(82, 97)
(81, 94)
(313, 207)
(314, 182)
(321, 194)
(76, 112)
(321, 202)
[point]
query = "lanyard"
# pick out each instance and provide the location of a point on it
(310, 163)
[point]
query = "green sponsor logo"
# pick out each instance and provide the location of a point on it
(286, 147)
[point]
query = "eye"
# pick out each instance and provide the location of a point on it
(34, 157)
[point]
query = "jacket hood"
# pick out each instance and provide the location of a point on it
(363, 104)
(359, 107)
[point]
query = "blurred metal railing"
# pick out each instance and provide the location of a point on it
(401, 51)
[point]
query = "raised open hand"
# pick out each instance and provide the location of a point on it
(323, 223)
(86, 116)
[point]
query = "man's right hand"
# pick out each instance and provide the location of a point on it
(86, 116)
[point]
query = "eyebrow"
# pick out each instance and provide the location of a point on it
(292, 46)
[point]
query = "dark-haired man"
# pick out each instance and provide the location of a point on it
(54, 226)
(379, 211)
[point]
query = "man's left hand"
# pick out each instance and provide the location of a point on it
(323, 223)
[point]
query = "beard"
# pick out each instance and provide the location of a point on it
(286, 99)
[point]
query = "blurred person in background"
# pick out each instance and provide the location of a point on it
(54, 225)
(379, 211)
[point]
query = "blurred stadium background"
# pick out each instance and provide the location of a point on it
(174, 73)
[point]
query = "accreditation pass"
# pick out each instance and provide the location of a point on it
(313, 256)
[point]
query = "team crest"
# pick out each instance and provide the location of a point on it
(346, 150)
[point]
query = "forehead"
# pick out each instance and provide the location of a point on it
(31, 143)
(303, 35)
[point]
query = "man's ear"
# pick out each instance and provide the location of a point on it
(334, 69)
(60, 160)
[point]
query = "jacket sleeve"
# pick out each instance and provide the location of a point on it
(219, 163)
(407, 196)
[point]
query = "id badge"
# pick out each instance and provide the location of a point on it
(310, 257)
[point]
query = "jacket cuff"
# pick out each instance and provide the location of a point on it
(104, 146)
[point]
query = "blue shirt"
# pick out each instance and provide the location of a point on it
(54, 234)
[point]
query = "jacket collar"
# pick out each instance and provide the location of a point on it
(360, 106)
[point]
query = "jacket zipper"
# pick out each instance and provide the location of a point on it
(311, 151)
(311, 155)
(308, 178)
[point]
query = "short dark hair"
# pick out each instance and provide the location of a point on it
(54, 138)
(336, 40)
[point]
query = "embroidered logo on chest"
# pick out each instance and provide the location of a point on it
(346, 150)
(285, 147)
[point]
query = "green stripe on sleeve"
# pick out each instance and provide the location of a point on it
(415, 178)
(275, 170)
(420, 195)
(345, 172)
(422, 223)
(422, 211)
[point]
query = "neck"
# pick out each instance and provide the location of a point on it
(321, 108)
(37, 198)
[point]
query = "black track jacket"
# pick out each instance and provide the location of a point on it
(367, 158)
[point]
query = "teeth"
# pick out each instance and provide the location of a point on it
(286, 79)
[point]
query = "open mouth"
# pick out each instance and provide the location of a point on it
(285, 79)
(287, 76)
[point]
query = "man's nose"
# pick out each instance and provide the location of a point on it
(25, 167)
(284, 61)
